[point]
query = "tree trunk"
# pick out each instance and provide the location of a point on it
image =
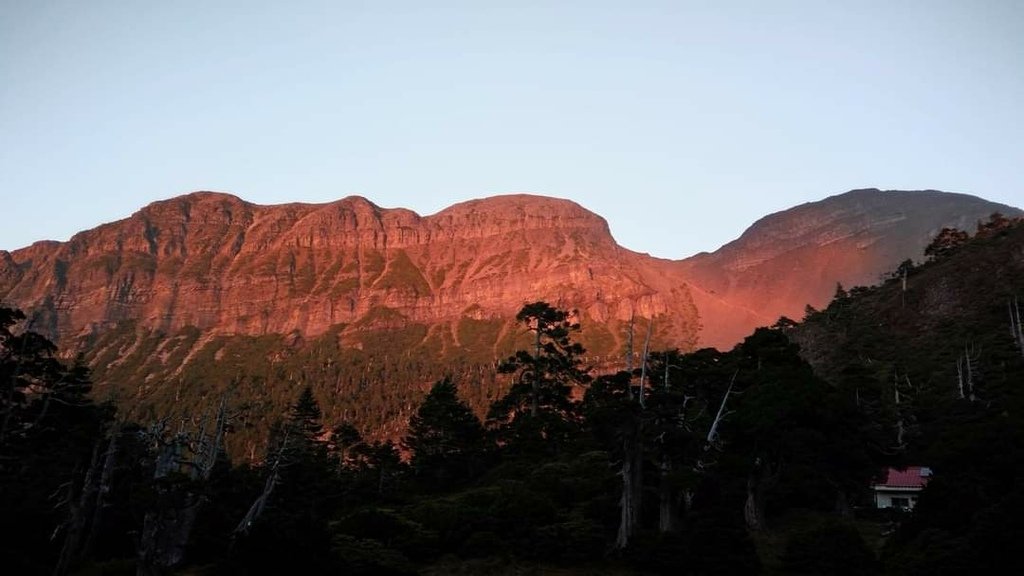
(257, 506)
(632, 487)
(166, 530)
(753, 510)
(712, 436)
(535, 383)
(629, 356)
(78, 514)
(666, 498)
(643, 365)
(165, 535)
(626, 505)
(1015, 324)
(105, 485)
(903, 293)
(843, 504)
(900, 431)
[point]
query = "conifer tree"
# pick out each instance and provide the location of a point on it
(50, 431)
(539, 409)
(444, 436)
(286, 528)
(304, 428)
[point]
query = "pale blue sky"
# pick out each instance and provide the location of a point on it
(681, 122)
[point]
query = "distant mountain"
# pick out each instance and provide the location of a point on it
(206, 292)
(959, 303)
(793, 258)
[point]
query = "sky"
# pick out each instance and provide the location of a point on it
(681, 122)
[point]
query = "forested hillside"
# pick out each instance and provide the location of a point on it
(753, 460)
(937, 354)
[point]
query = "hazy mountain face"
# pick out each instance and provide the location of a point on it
(793, 258)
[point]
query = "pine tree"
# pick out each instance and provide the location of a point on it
(444, 436)
(304, 427)
(538, 410)
(51, 453)
(286, 528)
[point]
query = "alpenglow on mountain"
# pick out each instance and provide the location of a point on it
(207, 290)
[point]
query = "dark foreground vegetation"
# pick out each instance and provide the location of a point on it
(739, 462)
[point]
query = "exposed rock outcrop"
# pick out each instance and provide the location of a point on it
(226, 266)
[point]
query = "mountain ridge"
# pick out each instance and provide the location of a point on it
(207, 294)
(350, 251)
(225, 244)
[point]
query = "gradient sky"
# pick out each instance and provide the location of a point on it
(680, 122)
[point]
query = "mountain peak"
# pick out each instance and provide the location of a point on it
(197, 197)
(795, 257)
(355, 201)
(521, 211)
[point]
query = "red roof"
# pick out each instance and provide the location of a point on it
(910, 477)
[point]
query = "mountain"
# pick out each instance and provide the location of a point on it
(961, 302)
(204, 294)
(207, 293)
(795, 258)
(225, 266)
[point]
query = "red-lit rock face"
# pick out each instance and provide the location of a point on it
(227, 266)
(223, 265)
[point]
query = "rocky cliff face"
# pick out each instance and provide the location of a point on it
(224, 266)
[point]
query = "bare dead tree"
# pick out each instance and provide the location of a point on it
(712, 444)
(535, 380)
(257, 507)
(629, 354)
(668, 499)
(105, 486)
(761, 477)
(631, 472)
(712, 437)
(1016, 331)
(965, 370)
(900, 430)
(904, 269)
(643, 365)
(79, 508)
(901, 409)
(166, 528)
(665, 377)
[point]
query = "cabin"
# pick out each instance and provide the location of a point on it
(901, 487)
